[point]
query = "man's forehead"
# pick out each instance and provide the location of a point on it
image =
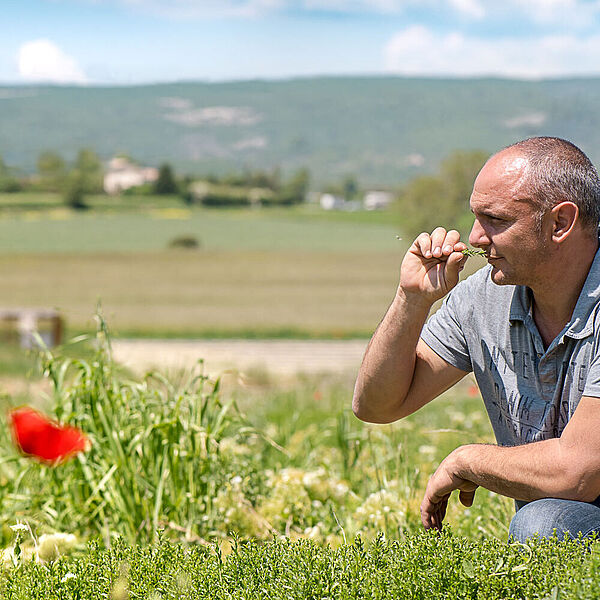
(507, 170)
(503, 181)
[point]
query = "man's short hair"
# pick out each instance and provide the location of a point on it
(559, 171)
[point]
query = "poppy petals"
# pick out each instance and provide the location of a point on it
(36, 435)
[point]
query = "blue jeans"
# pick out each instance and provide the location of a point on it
(549, 515)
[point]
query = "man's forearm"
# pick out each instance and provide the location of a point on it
(388, 366)
(529, 472)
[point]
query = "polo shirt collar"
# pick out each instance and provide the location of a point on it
(582, 321)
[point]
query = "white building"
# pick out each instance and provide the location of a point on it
(122, 175)
(332, 202)
(375, 200)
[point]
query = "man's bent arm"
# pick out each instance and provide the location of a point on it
(400, 373)
(567, 467)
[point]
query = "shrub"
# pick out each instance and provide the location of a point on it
(184, 241)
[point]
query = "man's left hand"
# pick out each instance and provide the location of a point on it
(442, 483)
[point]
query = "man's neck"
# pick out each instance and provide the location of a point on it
(554, 300)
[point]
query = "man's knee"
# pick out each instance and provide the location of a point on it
(548, 517)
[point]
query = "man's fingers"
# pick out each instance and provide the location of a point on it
(433, 513)
(452, 238)
(438, 237)
(423, 243)
(440, 243)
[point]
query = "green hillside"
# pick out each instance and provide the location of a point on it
(382, 129)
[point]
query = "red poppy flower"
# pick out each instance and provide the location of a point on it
(46, 440)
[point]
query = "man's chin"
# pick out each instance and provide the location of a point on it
(499, 277)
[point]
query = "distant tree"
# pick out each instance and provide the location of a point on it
(296, 187)
(52, 170)
(74, 192)
(9, 182)
(350, 188)
(165, 184)
(458, 172)
(84, 178)
(347, 188)
(89, 167)
(442, 199)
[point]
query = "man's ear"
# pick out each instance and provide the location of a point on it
(564, 217)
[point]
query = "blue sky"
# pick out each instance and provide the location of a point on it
(146, 41)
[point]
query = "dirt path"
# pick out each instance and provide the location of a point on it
(277, 357)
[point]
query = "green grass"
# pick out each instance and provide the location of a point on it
(297, 272)
(63, 231)
(190, 490)
(220, 293)
(225, 293)
(182, 455)
(420, 566)
(301, 272)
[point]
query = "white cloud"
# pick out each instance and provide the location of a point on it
(470, 8)
(192, 9)
(418, 50)
(252, 8)
(44, 61)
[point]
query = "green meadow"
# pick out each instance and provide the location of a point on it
(205, 487)
(301, 272)
(191, 491)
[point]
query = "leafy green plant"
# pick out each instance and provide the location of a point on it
(155, 459)
(425, 565)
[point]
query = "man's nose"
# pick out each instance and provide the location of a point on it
(478, 236)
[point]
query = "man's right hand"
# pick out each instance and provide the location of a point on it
(432, 264)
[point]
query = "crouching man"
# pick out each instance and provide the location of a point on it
(527, 325)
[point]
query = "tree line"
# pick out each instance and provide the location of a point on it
(421, 204)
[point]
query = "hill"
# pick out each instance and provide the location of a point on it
(381, 129)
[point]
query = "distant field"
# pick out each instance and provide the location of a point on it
(259, 273)
(212, 292)
(62, 230)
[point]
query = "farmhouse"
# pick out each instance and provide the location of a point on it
(332, 202)
(122, 174)
(375, 200)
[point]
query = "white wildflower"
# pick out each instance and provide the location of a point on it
(51, 545)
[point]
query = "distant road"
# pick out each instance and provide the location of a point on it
(277, 357)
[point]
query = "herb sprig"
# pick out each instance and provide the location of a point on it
(473, 252)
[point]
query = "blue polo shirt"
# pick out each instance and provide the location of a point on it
(529, 392)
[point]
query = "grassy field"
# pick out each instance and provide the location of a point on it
(188, 491)
(302, 272)
(178, 465)
(151, 229)
(182, 455)
(191, 293)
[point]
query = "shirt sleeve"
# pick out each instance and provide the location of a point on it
(443, 332)
(592, 380)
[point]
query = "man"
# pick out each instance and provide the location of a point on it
(527, 326)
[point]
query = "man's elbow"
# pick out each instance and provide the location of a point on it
(586, 486)
(372, 411)
(576, 480)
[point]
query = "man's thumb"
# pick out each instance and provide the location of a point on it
(466, 498)
(454, 265)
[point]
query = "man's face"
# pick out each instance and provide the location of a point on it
(505, 225)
